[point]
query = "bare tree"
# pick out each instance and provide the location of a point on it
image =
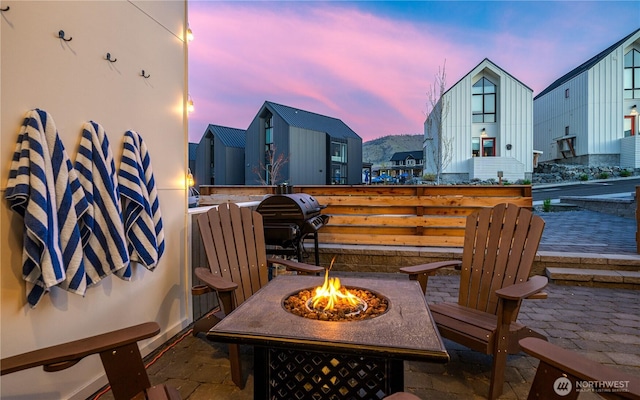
(270, 171)
(438, 145)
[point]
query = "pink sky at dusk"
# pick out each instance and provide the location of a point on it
(373, 68)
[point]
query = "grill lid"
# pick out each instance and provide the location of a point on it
(289, 208)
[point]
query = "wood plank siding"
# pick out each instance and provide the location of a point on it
(404, 215)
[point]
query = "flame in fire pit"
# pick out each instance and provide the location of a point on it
(333, 294)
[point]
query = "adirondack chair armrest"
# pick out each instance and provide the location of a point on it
(65, 355)
(430, 267)
(581, 368)
(215, 282)
(296, 266)
(523, 290)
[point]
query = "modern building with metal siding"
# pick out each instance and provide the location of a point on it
(220, 157)
(584, 116)
(307, 139)
(253, 149)
(497, 137)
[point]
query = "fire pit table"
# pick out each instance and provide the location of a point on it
(300, 358)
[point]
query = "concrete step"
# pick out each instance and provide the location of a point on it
(594, 277)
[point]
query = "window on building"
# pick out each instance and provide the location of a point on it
(566, 131)
(268, 129)
(488, 147)
(629, 125)
(566, 93)
(411, 161)
(338, 174)
(338, 152)
(632, 75)
(483, 102)
(475, 147)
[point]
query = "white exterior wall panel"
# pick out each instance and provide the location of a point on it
(456, 126)
(605, 104)
(516, 122)
(553, 112)
(630, 152)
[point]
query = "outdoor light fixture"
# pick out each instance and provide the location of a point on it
(190, 106)
(189, 34)
(190, 181)
(484, 133)
(634, 110)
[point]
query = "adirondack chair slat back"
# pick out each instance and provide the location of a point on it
(499, 250)
(233, 239)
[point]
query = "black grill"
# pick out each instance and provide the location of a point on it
(290, 219)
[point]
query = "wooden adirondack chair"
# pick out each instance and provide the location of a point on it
(120, 357)
(233, 239)
(500, 245)
(556, 362)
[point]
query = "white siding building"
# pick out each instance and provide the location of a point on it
(589, 116)
(487, 128)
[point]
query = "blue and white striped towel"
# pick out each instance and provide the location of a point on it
(44, 189)
(140, 207)
(104, 243)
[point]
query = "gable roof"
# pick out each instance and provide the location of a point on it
(230, 137)
(585, 66)
(309, 120)
(494, 65)
(403, 155)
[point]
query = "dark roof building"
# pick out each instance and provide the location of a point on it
(220, 158)
(287, 144)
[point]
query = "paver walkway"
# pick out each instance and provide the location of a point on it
(588, 232)
(601, 324)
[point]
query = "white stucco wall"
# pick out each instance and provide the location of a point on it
(74, 83)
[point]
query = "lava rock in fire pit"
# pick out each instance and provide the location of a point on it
(375, 305)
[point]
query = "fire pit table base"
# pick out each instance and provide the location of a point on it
(294, 374)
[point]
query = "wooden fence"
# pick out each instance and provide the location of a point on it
(401, 215)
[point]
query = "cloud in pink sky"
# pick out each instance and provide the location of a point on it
(373, 68)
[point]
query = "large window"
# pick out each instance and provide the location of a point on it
(338, 152)
(338, 174)
(268, 129)
(632, 75)
(483, 102)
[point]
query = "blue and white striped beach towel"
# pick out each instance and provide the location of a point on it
(140, 206)
(44, 189)
(105, 248)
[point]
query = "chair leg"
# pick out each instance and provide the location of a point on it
(497, 373)
(236, 367)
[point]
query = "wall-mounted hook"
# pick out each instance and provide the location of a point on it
(145, 76)
(109, 58)
(7, 8)
(61, 36)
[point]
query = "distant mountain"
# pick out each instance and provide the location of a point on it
(381, 150)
